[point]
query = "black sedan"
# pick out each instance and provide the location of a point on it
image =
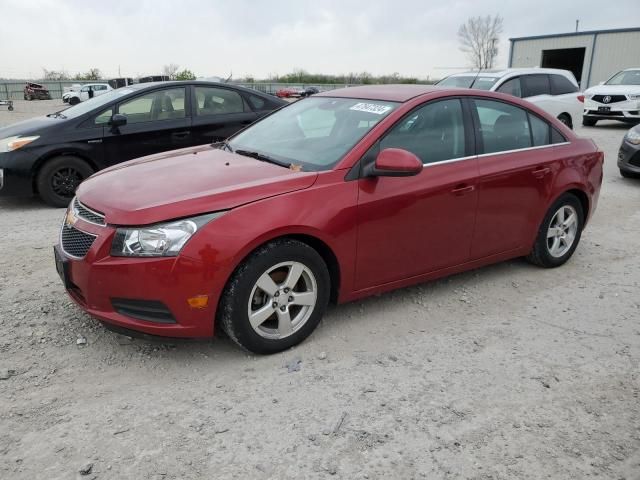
(629, 154)
(50, 156)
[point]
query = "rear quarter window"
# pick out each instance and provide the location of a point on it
(561, 85)
(535, 85)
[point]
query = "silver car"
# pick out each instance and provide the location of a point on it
(629, 154)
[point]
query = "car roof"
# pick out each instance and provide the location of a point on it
(206, 83)
(510, 71)
(389, 93)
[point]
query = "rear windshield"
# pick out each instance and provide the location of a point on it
(481, 82)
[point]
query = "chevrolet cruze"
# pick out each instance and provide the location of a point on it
(336, 197)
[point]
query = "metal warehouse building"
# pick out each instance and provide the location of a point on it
(592, 56)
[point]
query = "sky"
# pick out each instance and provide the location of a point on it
(261, 38)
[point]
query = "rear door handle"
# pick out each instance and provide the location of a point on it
(463, 189)
(179, 135)
(541, 172)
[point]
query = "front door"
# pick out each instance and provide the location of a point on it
(218, 113)
(408, 226)
(157, 121)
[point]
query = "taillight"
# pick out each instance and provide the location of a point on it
(581, 98)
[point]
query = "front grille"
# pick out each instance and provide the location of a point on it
(614, 98)
(75, 242)
(149, 310)
(87, 214)
(606, 114)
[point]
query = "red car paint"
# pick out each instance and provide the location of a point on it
(472, 212)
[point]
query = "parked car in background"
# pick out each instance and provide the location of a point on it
(35, 91)
(87, 91)
(346, 194)
(616, 99)
(50, 156)
(289, 92)
(308, 91)
(555, 91)
(629, 154)
(154, 78)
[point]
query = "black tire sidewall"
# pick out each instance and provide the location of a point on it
(545, 256)
(44, 178)
(233, 308)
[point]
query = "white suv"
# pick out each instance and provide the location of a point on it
(87, 91)
(555, 91)
(616, 99)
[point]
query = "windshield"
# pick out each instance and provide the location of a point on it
(630, 77)
(312, 134)
(469, 81)
(95, 102)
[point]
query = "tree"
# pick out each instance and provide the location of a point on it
(185, 75)
(54, 74)
(479, 38)
(170, 70)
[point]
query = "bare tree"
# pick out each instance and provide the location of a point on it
(54, 75)
(479, 38)
(170, 70)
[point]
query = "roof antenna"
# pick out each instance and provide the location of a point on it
(577, 24)
(475, 78)
(229, 77)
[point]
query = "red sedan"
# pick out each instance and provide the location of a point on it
(342, 195)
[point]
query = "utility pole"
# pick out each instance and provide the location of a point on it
(577, 24)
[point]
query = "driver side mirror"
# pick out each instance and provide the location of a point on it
(118, 120)
(394, 162)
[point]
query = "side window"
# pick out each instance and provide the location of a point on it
(540, 131)
(104, 117)
(160, 105)
(256, 102)
(535, 85)
(434, 132)
(217, 101)
(511, 87)
(561, 85)
(503, 126)
(84, 89)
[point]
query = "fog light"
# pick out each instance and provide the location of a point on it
(199, 301)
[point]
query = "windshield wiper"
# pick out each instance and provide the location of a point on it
(260, 156)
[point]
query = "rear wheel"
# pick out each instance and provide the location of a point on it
(59, 178)
(589, 122)
(559, 233)
(566, 119)
(276, 298)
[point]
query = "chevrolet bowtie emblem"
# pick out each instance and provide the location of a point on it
(71, 218)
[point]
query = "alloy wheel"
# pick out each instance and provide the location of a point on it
(65, 181)
(282, 300)
(562, 231)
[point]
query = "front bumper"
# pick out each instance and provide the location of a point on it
(16, 169)
(628, 110)
(629, 157)
(99, 283)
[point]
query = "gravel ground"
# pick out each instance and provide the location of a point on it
(506, 372)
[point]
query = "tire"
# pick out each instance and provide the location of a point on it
(589, 122)
(628, 174)
(566, 119)
(10, 108)
(274, 262)
(59, 178)
(543, 253)
(29, 97)
(24, 95)
(74, 101)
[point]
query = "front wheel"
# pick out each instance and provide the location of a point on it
(589, 122)
(566, 119)
(74, 101)
(559, 233)
(276, 298)
(59, 177)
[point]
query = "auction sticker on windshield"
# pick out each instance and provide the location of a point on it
(371, 108)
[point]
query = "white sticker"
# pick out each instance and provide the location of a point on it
(371, 108)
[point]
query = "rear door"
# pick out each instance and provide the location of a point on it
(157, 121)
(218, 113)
(409, 226)
(518, 161)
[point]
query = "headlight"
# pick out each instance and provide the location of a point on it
(161, 240)
(634, 97)
(14, 143)
(633, 136)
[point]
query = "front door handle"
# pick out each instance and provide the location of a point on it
(463, 189)
(541, 172)
(179, 135)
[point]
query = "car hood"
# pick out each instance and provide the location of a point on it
(29, 127)
(183, 183)
(613, 90)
